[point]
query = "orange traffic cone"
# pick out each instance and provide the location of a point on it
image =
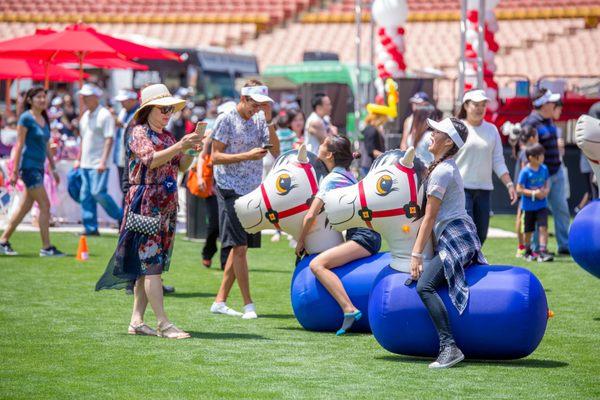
(82, 249)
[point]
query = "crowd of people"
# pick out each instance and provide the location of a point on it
(154, 139)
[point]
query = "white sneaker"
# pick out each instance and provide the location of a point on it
(276, 236)
(221, 308)
(293, 243)
(249, 312)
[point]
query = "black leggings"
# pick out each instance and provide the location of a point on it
(432, 278)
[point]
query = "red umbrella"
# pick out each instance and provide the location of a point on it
(115, 63)
(77, 42)
(20, 69)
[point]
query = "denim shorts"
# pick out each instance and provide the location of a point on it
(32, 177)
(367, 238)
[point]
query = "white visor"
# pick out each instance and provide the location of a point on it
(260, 94)
(476, 95)
(448, 128)
(548, 97)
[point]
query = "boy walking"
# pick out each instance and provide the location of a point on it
(534, 186)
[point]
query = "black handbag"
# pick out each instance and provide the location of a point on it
(139, 223)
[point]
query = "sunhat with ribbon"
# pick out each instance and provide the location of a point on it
(158, 95)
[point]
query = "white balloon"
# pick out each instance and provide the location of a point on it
(384, 56)
(492, 22)
(390, 13)
(471, 36)
(379, 87)
(491, 66)
(489, 56)
(391, 66)
(493, 105)
(491, 93)
(471, 79)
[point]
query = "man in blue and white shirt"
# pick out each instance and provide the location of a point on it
(240, 137)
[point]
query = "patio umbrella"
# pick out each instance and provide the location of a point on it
(21, 69)
(78, 43)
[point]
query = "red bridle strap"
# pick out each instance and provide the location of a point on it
(274, 216)
(409, 209)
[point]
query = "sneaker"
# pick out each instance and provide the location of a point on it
(168, 289)
(564, 252)
(92, 233)
(276, 237)
(249, 312)
(449, 355)
(221, 308)
(7, 250)
(51, 252)
(520, 252)
(544, 256)
(530, 255)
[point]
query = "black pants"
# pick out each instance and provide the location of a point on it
(212, 232)
(477, 203)
(432, 278)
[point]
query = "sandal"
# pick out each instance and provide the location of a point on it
(141, 329)
(207, 263)
(172, 332)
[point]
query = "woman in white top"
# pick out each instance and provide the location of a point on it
(481, 154)
(419, 135)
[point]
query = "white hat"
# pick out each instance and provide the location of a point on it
(547, 97)
(126, 94)
(158, 95)
(90, 90)
(476, 95)
(260, 94)
(447, 126)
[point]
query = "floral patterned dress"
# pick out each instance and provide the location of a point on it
(153, 193)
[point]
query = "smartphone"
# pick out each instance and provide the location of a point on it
(267, 146)
(201, 128)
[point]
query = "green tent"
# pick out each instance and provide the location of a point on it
(323, 72)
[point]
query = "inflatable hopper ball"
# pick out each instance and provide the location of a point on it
(388, 200)
(283, 199)
(587, 137)
(584, 238)
(316, 310)
(505, 317)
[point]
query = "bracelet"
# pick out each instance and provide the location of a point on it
(417, 255)
(509, 185)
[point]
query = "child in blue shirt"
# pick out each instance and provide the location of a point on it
(534, 186)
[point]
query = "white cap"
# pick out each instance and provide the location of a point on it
(90, 90)
(475, 95)
(260, 94)
(126, 94)
(447, 126)
(548, 97)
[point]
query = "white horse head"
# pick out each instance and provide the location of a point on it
(587, 137)
(388, 200)
(283, 199)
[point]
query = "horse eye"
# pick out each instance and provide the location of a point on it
(384, 185)
(283, 183)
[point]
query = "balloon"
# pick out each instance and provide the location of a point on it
(472, 15)
(471, 36)
(492, 105)
(583, 238)
(392, 67)
(491, 21)
(391, 109)
(389, 13)
(489, 4)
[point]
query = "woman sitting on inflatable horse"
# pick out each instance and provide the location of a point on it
(455, 236)
(336, 154)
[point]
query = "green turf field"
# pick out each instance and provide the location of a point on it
(60, 339)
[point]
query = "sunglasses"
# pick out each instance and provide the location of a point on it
(166, 110)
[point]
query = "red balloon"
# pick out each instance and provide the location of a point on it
(489, 81)
(379, 99)
(385, 40)
(381, 31)
(472, 15)
(400, 30)
(468, 86)
(380, 67)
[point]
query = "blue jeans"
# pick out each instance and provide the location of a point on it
(93, 192)
(477, 203)
(557, 203)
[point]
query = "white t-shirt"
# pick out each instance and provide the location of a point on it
(94, 128)
(312, 142)
(481, 154)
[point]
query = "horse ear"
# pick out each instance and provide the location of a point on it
(408, 158)
(302, 156)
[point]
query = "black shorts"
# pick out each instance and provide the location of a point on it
(367, 238)
(531, 218)
(230, 229)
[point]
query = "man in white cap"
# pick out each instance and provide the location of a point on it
(129, 103)
(540, 119)
(96, 130)
(241, 138)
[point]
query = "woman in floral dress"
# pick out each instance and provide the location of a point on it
(154, 159)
